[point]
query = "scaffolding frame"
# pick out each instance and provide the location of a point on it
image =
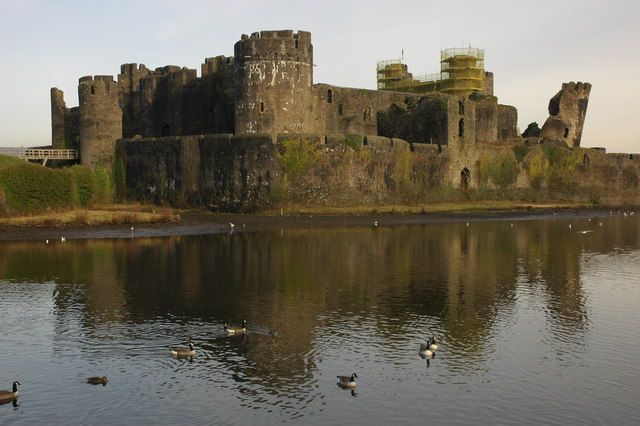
(461, 73)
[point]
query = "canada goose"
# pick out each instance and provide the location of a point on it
(184, 352)
(425, 352)
(433, 346)
(8, 396)
(347, 381)
(235, 329)
(97, 380)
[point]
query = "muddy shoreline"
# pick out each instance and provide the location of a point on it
(205, 223)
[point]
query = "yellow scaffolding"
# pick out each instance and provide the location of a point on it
(461, 73)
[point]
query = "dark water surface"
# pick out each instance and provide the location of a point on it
(537, 323)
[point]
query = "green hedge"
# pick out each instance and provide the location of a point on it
(26, 187)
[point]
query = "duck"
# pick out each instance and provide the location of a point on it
(425, 352)
(8, 396)
(235, 329)
(184, 352)
(433, 345)
(348, 381)
(96, 380)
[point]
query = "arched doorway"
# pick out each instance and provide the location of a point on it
(465, 178)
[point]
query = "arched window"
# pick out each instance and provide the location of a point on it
(261, 106)
(585, 160)
(329, 95)
(461, 127)
(93, 90)
(340, 109)
(465, 178)
(460, 107)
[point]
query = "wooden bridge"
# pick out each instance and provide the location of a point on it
(41, 154)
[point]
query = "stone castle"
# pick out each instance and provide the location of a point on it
(254, 128)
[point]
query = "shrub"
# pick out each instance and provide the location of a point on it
(520, 152)
(296, 155)
(354, 141)
(502, 171)
(29, 187)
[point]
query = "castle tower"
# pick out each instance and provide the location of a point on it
(59, 112)
(129, 85)
(275, 73)
(100, 119)
(566, 113)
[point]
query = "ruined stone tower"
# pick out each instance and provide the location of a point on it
(566, 113)
(275, 73)
(100, 119)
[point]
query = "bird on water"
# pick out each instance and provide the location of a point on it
(184, 352)
(8, 396)
(96, 380)
(347, 381)
(235, 329)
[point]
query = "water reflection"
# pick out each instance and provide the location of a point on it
(308, 293)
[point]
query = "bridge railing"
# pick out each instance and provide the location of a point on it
(41, 153)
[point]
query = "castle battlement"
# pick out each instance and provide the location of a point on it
(284, 45)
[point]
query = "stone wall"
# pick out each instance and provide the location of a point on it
(65, 131)
(346, 110)
(508, 124)
(567, 111)
(275, 74)
(100, 119)
(250, 172)
(486, 121)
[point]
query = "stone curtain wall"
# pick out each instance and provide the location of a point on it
(251, 173)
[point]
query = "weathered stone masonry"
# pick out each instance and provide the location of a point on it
(220, 139)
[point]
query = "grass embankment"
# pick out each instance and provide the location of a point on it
(36, 196)
(116, 214)
(450, 207)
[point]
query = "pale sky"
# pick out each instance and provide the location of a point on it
(531, 47)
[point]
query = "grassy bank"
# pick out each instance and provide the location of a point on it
(449, 207)
(99, 215)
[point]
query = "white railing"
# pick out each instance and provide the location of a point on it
(41, 153)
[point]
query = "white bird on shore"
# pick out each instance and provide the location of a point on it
(375, 223)
(600, 224)
(467, 223)
(46, 241)
(63, 239)
(569, 226)
(231, 225)
(512, 224)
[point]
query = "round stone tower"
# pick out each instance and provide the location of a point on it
(275, 73)
(100, 119)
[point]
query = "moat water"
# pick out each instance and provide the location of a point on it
(537, 323)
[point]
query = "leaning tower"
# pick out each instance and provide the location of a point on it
(100, 119)
(275, 73)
